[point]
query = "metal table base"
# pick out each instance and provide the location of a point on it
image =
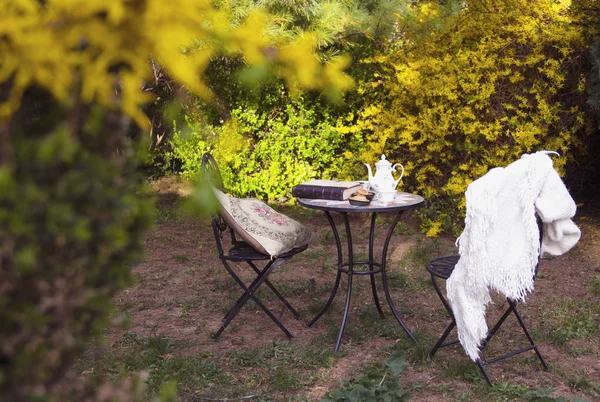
(375, 267)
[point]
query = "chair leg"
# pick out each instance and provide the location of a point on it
(436, 286)
(512, 308)
(484, 373)
(528, 335)
(245, 296)
(497, 326)
(249, 294)
(481, 363)
(440, 343)
(276, 292)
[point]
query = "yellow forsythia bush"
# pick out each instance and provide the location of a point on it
(472, 90)
(103, 49)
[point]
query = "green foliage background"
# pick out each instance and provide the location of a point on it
(456, 89)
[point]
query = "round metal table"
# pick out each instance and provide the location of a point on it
(403, 202)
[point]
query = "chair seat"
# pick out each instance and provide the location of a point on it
(243, 251)
(442, 267)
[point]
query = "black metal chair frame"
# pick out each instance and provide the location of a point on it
(241, 251)
(441, 268)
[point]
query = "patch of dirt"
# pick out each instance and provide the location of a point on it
(183, 292)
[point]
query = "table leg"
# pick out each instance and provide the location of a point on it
(350, 275)
(371, 266)
(384, 276)
(339, 272)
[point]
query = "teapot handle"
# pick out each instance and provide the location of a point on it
(394, 169)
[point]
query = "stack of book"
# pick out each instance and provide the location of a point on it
(326, 189)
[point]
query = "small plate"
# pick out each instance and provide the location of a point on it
(369, 196)
(359, 203)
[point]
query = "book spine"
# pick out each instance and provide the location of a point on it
(319, 192)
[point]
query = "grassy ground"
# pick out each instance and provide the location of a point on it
(182, 292)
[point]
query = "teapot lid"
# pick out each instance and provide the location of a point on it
(383, 162)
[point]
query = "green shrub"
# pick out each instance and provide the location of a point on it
(188, 145)
(71, 220)
(264, 154)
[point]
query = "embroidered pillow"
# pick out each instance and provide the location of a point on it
(263, 228)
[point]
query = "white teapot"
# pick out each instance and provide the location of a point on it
(383, 180)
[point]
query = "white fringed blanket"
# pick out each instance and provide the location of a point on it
(499, 246)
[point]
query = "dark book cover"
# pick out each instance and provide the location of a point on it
(325, 189)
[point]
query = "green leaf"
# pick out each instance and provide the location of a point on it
(396, 362)
(361, 394)
(340, 394)
(539, 392)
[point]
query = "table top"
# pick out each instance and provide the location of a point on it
(403, 201)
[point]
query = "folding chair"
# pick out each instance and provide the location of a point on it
(441, 268)
(241, 251)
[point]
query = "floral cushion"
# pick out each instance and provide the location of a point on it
(265, 229)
